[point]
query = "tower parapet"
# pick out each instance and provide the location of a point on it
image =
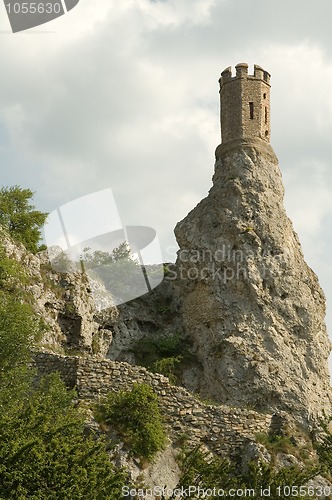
(245, 105)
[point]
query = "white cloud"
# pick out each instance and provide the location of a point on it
(174, 13)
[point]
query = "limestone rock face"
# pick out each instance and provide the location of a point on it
(251, 306)
(65, 303)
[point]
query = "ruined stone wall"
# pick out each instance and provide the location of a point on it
(67, 366)
(223, 429)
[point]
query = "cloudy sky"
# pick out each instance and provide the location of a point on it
(125, 95)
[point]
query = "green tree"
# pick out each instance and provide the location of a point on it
(19, 331)
(102, 258)
(19, 217)
(118, 271)
(167, 366)
(44, 452)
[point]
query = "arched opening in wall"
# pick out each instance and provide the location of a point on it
(251, 110)
(264, 95)
(265, 114)
(266, 133)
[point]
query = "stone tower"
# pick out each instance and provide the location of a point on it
(245, 105)
(250, 306)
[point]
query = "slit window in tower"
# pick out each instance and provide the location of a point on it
(265, 114)
(251, 110)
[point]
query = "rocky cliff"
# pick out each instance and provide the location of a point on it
(240, 300)
(240, 307)
(250, 305)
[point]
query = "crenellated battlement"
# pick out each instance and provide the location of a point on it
(245, 104)
(242, 72)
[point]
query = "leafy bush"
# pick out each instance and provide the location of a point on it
(135, 415)
(44, 452)
(18, 329)
(276, 444)
(12, 275)
(148, 350)
(324, 448)
(163, 355)
(167, 366)
(297, 443)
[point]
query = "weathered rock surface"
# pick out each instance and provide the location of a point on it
(321, 486)
(65, 303)
(254, 453)
(240, 293)
(251, 306)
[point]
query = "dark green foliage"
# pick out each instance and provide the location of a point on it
(135, 415)
(324, 448)
(45, 454)
(278, 481)
(168, 367)
(163, 355)
(148, 350)
(203, 471)
(18, 330)
(198, 469)
(19, 325)
(19, 217)
(12, 275)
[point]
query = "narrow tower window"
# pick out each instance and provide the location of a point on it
(251, 110)
(265, 114)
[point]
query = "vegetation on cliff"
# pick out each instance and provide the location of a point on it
(44, 450)
(207, 473)
(19, 216)
(135, 414)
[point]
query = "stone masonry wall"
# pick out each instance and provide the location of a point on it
(67, 366)
(223, 429)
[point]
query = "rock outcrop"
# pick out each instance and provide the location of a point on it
(240, 301)
(251, 306)
(240, 294)
(64, 302)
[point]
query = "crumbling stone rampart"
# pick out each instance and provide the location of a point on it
(222, 428)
